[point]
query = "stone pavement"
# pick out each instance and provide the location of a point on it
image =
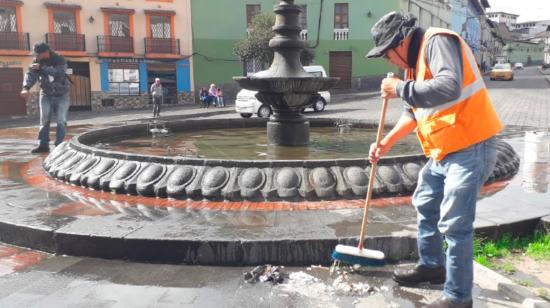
(60, 281)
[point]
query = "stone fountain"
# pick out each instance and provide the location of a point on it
(286, 86)
(231, 210)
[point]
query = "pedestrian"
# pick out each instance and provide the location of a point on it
(204, 97)
(212, 93)
(49, 69)
(158, 97)
(219, 98)
(447, 103)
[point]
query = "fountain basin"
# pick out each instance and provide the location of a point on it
(79, 163)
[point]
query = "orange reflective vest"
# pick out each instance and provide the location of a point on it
(461, 123)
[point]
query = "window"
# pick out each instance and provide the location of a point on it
(8, 19)
(64, 22)
(119, 25)
(341, 16)
(161, 26)
(252, 10)
(124, 81)
(303, 17)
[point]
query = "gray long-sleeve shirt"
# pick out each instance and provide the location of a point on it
(444, 58)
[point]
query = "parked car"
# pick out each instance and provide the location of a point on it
(247, 105)
(502, 71)
(518, 66)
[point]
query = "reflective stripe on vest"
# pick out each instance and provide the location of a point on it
(455, 125)
(466, 92)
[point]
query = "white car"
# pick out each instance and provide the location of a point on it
(246, 103)
(518, 66)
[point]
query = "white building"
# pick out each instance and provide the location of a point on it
(510, 20)
(430, 13)
(531, 28)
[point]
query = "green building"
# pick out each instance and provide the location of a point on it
(525, 52)
(343, 42)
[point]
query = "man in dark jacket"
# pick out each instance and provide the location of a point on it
(49, 69)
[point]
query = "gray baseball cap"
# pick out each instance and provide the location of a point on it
(40, 48)
(390, 31)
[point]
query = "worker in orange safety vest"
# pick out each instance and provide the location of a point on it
(447, 103)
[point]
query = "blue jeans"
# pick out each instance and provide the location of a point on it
(48, 105)
(445, 200)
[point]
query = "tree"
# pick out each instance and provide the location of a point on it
(256, 46)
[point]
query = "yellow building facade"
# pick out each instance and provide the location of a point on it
(114, 50)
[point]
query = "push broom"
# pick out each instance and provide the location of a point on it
(359, 255)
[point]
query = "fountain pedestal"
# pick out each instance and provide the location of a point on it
(288, 130)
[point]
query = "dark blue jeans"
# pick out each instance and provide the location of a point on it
(49, 105)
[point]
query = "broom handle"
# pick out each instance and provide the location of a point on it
(373, 170)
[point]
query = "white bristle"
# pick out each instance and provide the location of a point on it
(365, 253)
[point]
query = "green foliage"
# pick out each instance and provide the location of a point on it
(487, 252)
(507, 268)
(256, 46)
(539, 248)
(483, 260)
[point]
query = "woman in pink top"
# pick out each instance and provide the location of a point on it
(213, 94)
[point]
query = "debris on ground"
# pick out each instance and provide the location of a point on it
(265, 273)
(343, 284)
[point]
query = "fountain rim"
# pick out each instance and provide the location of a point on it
(77, 143)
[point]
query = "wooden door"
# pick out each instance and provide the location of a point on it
(341, 66)
(80, 93)
(11, 104)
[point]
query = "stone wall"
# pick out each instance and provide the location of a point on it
(186, 98)
(102, 101)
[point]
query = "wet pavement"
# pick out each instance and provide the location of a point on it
(60, 281)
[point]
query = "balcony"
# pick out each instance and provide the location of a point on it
(72, 42)
(162, 47)
(15, 41)
(341, 34)
(113, 45)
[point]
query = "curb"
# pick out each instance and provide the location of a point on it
(227, 110)
(507, 287)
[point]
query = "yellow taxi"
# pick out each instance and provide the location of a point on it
(502, 71)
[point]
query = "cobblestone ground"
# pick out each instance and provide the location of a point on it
(523, 102)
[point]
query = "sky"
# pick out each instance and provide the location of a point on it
(528, 10)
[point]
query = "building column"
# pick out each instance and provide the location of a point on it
(183, 82)
(143, 84)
